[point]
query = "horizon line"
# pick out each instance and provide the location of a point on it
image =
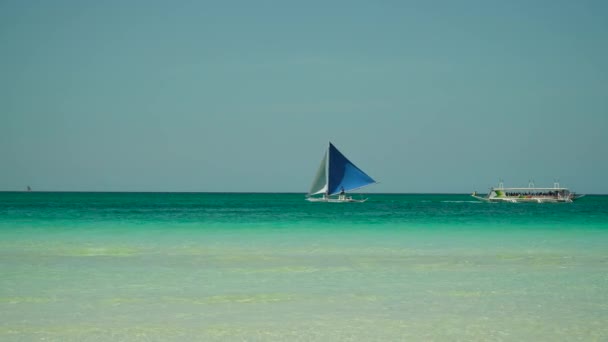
(237, 192)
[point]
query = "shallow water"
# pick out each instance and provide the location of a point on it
(273, 267)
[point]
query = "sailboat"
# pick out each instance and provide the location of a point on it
(337, 175)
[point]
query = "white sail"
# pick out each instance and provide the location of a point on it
(319, 184)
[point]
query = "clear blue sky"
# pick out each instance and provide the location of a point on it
(426, 96)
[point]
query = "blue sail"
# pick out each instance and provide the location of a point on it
(343, 174)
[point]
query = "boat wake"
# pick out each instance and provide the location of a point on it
(461, 202)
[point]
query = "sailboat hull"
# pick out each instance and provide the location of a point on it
(336, 200)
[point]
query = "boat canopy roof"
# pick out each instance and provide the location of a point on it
(531, 189)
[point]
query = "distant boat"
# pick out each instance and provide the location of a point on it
(531, 194)
(28, 188)
(336, 176)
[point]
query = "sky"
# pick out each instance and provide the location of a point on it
(244, 96)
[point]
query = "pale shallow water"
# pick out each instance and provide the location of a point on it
(272, 267)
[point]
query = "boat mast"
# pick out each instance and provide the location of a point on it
(327, 170)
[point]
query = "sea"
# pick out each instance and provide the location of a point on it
(274, 267)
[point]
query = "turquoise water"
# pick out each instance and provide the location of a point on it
(273, 267)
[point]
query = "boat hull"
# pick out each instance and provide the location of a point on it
(336, 200)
